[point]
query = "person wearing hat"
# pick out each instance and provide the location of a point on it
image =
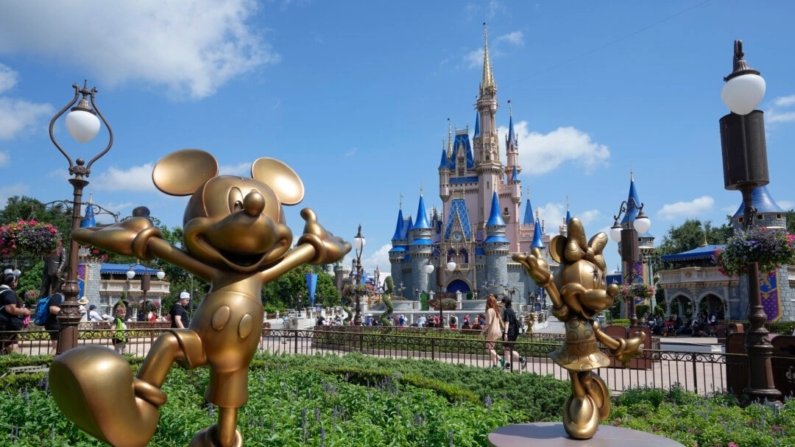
(178, 313)
(12, 313)
(510, 334)
(93, 315)
(83, 312)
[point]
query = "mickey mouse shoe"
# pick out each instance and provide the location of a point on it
(94, 387)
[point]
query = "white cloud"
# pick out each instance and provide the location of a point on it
(136, 178)
(516, 38)
(8, 78)
(5, 158)
(694, 208)
(474, 58)
(778, 113)
(351, 152)
(240, 169)
(588, 216)
(17, 189)
(541, 153)
(786, 204)
(379, 258)
(553, 215)
(18, 116)
(191, 47)
(784, 101)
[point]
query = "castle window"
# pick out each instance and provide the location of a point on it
(759, 217)
(778, 216)
(488, 185)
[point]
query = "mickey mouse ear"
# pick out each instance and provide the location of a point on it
(281, 178)
(181, 173)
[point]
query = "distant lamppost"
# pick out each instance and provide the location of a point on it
(298, 305)
(83, 126)
(744, 152)
(429, 269)
(510, 290)
(627, 236)
(358, 246)
(401, 288)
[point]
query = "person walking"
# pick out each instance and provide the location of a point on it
(93, 315)
(510, 335)
(12, 314)
(119, 330)
(178, 313)
(51, 324)
(493, 330)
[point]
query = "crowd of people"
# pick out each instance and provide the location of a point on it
(701, 325)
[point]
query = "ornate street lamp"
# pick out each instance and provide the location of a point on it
(744, 152)
(439, 281)
(627, 236)
(358, 246)
(83, 126)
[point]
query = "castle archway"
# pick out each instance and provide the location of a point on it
(681, 305)
(458, 285)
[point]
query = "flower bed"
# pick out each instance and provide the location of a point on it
(770, 249)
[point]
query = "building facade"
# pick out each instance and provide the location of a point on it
(694, 284)
(480, 223)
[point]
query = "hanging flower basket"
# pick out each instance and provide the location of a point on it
(95, 253)
(636, 291)
(28, 238)
(770, 249)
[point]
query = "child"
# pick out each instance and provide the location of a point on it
(119, 330)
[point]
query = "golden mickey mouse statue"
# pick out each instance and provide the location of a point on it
(235, 237)
(578, 294)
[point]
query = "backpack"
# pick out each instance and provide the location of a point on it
(513, 323)
(42, 311)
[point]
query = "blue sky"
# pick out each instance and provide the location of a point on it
(355, 96)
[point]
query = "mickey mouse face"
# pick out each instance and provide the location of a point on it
(229, 221)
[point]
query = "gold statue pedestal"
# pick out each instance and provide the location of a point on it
(552, 434)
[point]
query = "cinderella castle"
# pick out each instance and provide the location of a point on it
(480, 223)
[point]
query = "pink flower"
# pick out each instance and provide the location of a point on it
(732, 444)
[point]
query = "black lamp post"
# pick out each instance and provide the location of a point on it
(358, 246)
(744, 152)
(627, 236)
(83, 126)
(439, 282)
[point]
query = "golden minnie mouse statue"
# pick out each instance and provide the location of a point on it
(235, 237)
(578, 293)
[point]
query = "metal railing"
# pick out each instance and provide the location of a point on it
(702, 373)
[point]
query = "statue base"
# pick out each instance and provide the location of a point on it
(552, 434)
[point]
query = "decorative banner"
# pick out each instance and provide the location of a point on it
(82, 274)
(311, 284)
(771, 301)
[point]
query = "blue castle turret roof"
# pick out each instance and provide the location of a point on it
(477, 125)
(514, 175)
(528, 214)
(568, 216)
(444, 163)
(405, 228)
(762, 201)
(399, 226)
(463, 139)
(89, 221)
(538, 242)
(633, 204)
(495, 217)
(422, 216)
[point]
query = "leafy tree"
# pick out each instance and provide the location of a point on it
(791, 221)
(283, 292)
(27, 208)
(691, 234)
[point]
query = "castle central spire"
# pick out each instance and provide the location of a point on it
(487, 84)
